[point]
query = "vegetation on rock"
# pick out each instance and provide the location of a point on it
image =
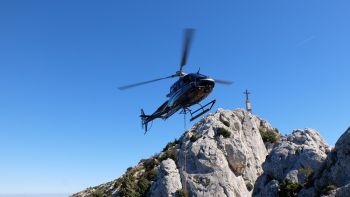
(271, 136)
(149, 164)
(170, 153)
(249, 186)
(224, 132)
(134, 186)
(327, 188)
(128, 186)
(308, 172)
(225, 122)
(170, 145)
(289, 188)
(181, 193)
(194, 137)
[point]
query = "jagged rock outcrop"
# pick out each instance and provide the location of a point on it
(234, 153)
(221, 155)
(168, 180)
(292, 162)
(335, 174)
(337, 169)
(302, 164)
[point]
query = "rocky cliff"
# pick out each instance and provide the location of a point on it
(235, 153)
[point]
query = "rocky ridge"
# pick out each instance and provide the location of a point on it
(235, 153)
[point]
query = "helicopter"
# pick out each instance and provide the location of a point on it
(188, 90)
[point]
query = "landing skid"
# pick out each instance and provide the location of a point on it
(200, 111)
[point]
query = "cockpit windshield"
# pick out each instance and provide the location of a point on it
(186, 79)
(201, 76)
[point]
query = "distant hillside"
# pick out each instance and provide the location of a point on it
(234, 153)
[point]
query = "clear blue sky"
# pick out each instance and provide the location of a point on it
(65, 126)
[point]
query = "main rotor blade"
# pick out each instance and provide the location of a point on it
(144, 82)
(188, 34)
(223, 81)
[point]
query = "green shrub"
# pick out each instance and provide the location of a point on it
(170, 145)
(194, 137)
(269, 136)
(128, 186)
(249, 186)
(118, 182)
(181, 193)
(150, 175)
(326, 189)
(131, 187)
(289, 188)
(224, 132)
(171, 153)
(149, 164)
(307, 171)
(143, 186)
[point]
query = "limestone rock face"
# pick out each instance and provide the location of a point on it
(168, 180)
(295, 159)
(340, 172)
(226, 155)
(221, 155)
(228, 162)
(234, 153)
(336, 170)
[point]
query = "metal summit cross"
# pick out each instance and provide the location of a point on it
(247, 102)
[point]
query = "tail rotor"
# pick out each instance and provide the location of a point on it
(144, 120)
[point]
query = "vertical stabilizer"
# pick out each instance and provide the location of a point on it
(144, 120)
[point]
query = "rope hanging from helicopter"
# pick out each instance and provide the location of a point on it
(184, 111)
(184, 120)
